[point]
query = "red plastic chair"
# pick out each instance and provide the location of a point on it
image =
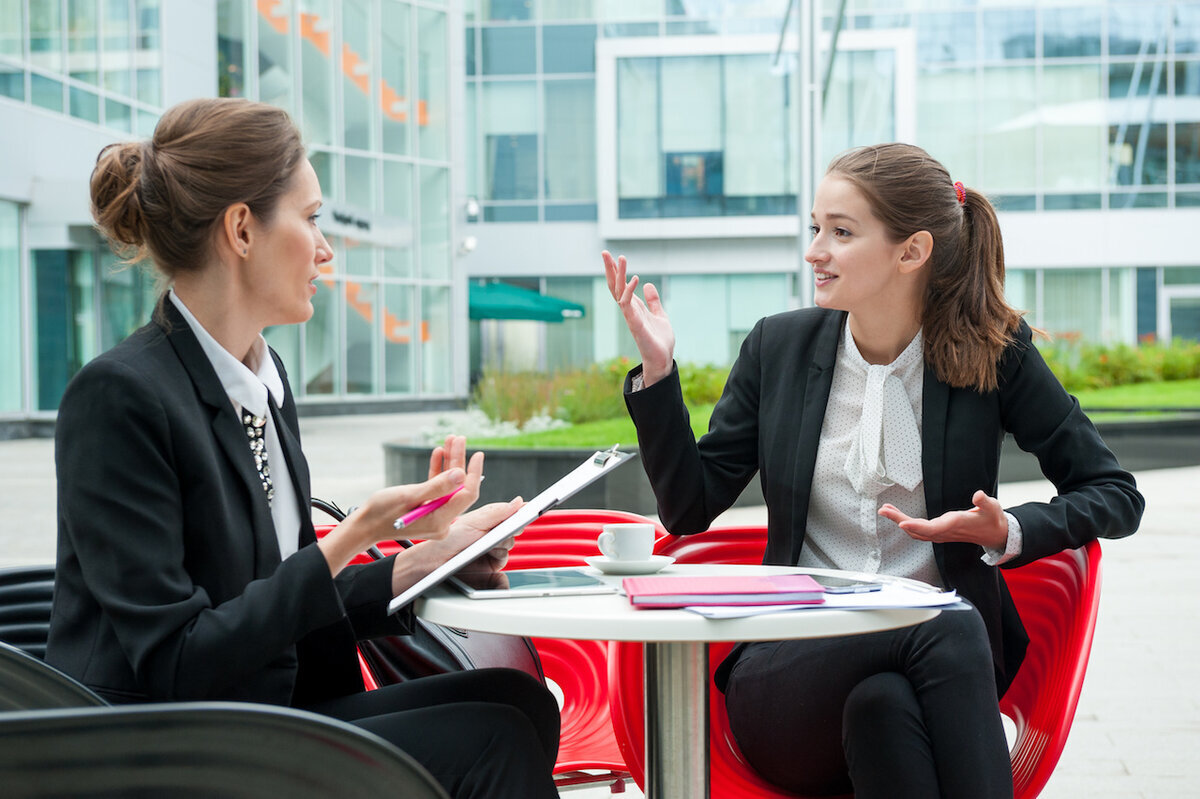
(1058, 598)
(578, 668)
(730, 777)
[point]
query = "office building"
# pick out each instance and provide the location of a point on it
(369, 84)
(672, 132)
(462, 142)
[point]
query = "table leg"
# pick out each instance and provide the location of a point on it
(676, 720)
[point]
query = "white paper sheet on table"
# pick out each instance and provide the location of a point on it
(887, 598)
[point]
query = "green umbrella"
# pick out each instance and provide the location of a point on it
(502, 301)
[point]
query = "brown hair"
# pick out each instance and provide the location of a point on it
(163, 198)
(965, 320)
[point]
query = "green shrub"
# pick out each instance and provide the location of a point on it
(1081, 366)
(1178, 361)
(701, 385)
(580, 396)
(513, 397)
(588, 396)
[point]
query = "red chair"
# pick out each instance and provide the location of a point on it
(1058, 599)
(730, 777)
(578, 668)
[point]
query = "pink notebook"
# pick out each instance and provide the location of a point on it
(666, 591)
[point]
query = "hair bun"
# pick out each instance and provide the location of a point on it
(116, 201)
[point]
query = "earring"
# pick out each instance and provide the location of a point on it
(245, 251)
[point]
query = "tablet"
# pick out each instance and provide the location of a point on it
(593, 467)
(566, 581)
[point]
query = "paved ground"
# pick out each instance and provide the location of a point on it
(1137, 729)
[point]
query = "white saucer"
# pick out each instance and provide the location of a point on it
(649, 566)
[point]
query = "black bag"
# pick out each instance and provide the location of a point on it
(437, 649)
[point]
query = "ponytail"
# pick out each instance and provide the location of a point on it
(966, 321)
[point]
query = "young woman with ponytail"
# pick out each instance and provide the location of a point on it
(875, 421)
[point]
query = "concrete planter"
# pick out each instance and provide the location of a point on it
(525, 472)
(1138, 445)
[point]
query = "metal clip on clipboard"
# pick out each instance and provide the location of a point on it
(604, 456)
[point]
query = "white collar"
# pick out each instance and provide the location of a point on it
(247, 388)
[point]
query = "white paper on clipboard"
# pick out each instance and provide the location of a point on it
(595, 466)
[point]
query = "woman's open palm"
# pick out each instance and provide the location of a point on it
(647, 321)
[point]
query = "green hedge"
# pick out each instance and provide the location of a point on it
(580, 396)
(594, 394)
(1082, 366)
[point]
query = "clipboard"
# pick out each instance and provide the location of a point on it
(594, 467)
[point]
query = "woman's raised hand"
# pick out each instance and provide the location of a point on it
(647, 321)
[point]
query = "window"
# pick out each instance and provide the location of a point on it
(570, 113)
(317, 75)
(1073, 140)
(357, 71)
(708, 128)
(1070, 32)
(12, 377)
(509, 51)
(64, 320)
(509, 127)
(568, 48)
(1008, 138)
(434, 86)
(1009, 34)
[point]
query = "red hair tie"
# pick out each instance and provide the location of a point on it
(960, 192)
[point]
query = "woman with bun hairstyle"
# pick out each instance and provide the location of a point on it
(875, 422)
(188, 568)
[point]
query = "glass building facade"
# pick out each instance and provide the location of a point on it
(647, 127)
(99, 61)
(368, 81)
(78, 73)
(370, 84)
(513, 140)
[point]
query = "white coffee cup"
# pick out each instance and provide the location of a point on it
(632, 541)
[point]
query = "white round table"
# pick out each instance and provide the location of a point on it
(676, 652)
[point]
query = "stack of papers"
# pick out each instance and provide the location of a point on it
(890, 597)
(722, 590)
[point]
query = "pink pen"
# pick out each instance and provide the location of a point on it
(426, 508)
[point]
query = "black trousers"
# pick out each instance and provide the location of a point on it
(902, 713)
(482, 733)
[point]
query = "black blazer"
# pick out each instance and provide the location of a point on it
(169, 582)
(769, 419)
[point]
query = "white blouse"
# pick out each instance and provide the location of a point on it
(870, 454)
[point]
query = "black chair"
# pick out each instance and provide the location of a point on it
(27, 683)
(200, 749)
(25, 594)
(60, 739)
